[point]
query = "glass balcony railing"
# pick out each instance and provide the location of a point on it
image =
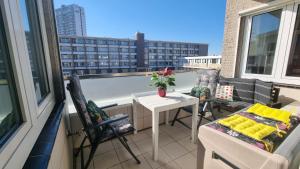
(118, 87)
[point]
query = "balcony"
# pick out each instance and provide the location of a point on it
(40, 128)
(175, 147)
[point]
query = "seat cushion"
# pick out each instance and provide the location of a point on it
(236, 104)
(208, 78)
(263, 92)
(122, 127)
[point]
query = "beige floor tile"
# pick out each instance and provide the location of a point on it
(104, 147)
(124, 155)
(171, 165)
(139, 136)
(131, 164)
(187, 143)
(174, 150)
(164, 139)
(118, 166)
(145, 145)
(163, 159)
(149, 131)
(187, 161)
(176, 132)
(194, 153)
(117, 144)
(106, 160)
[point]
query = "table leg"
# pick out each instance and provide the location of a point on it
(194, 122)
(135, 125)
(167, 117)
(155, 134)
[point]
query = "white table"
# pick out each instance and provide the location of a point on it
(157, 104)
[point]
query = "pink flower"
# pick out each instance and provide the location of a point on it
(166, 72)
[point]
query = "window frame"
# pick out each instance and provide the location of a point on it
(246, 44)
(282, 51)
(14, 152)
(289, 40)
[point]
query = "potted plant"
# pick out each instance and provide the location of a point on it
(162, 80)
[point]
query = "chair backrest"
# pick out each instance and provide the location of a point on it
(208, 78)
(263, 92)
(244, 89)
(79, 101)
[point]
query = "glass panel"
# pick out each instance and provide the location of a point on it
(262, 44)
(10, 117)
(35, 48)
(293, 68)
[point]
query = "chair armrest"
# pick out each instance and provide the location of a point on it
(111, 120)
(108, 106)
(277, 105)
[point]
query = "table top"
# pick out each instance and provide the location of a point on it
(172, 100)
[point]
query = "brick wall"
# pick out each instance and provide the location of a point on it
(233, 7)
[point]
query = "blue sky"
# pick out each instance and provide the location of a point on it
(176, 20)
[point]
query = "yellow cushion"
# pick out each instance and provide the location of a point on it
(247, 127)
(271, 113)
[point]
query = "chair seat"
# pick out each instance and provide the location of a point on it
(122, 127)
(235, 104)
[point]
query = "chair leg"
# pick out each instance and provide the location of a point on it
(175, 118)
(81, 157)
(200, 120)
(92, 152)
(81, 146)
(124, 143)
(212, 111)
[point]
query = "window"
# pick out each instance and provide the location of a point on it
(124, 50)
(113, 50)
(65, 49)
(103, 57)
(271, 44)
(79, 49)
(90, 49)
(112, 57)
(67, 56)
(103, 49)
(293, 66)
(79, 56)
(79, 40)
(124, 43)
(102, 42)
(10, 115)
(262, 44)
(91, 57)
(35, 48)
(89, 41)
(65, 40)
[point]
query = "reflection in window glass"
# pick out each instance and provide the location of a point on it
(35, 48)
(262, 44)
(293, 68)
(10, 117)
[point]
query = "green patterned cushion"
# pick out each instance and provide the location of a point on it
(97, 114)
(200, 91)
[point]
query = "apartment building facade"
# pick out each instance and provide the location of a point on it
(261, 41)
(70, 20)
(97, 55)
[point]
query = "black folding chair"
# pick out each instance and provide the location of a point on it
(116, 127)
(203, 109)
